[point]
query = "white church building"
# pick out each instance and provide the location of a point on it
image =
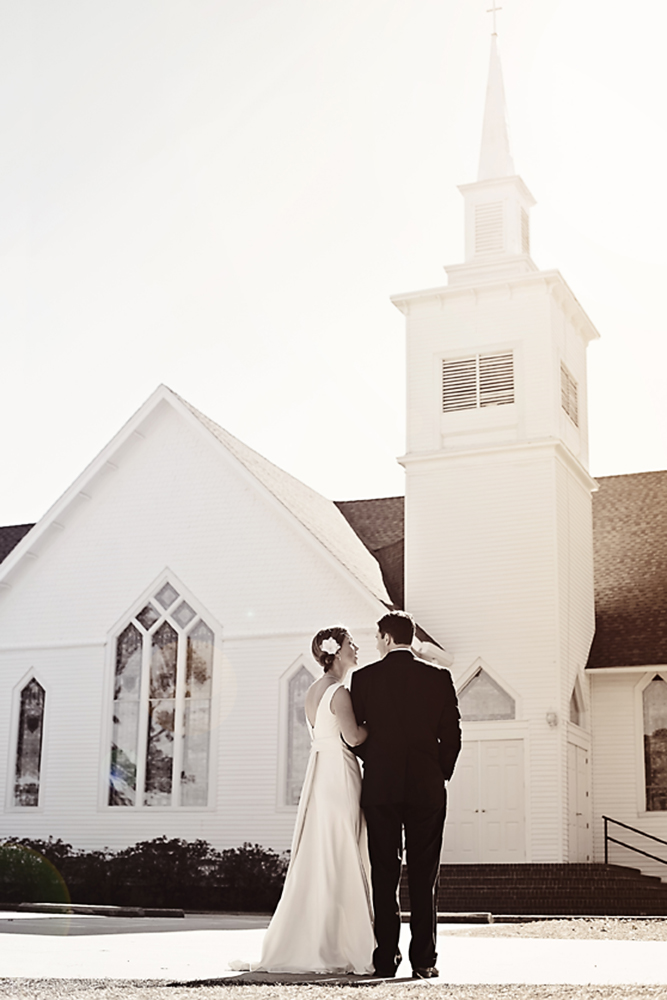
(155, 624)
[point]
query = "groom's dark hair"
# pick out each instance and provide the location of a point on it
(399, 625)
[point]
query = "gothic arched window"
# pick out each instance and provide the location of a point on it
(29, 745)
(654, 703)
(162, 706)
(298, 737)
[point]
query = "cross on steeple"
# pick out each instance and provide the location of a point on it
(492, 10)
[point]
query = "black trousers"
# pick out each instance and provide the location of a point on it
(423, 826)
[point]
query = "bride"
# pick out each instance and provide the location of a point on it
(323, 922)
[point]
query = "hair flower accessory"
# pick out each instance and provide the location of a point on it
(330, 645)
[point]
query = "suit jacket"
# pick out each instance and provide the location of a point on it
(414, 736)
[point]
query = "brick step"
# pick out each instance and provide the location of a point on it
(547, 889)
(534, 871)
(461, 885)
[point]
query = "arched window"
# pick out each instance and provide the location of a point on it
(298, 737)
(654, 699)
(162, 706)
(29, 745)
(483, 698)
(577, 706)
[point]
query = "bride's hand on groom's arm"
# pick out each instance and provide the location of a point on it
(341, 703)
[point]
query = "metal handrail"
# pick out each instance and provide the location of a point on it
(612, 840)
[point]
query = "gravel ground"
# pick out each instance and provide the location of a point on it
(586, 928)
(602, 928)
(54, 989)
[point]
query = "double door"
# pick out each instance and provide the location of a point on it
(486, 804)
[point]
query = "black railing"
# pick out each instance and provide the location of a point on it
(612, 840)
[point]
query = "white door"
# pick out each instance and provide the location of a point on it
(578, 803)
(485, 808)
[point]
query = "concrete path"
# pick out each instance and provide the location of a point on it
(202, 947)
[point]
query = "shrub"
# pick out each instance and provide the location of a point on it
(152, 873)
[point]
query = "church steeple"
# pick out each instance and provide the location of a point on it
(497, 204)
(495, 158)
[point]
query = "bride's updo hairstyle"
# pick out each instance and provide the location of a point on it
(327, 637)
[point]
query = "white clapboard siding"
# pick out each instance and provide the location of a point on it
(617, 772)
(498, 509)
(262, 582)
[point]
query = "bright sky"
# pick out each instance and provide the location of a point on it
(221, 195)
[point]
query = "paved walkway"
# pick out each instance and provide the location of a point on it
(202, 947)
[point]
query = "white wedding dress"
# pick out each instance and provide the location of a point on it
(324, 922)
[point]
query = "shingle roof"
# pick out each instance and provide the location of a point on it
(10, 536)
(630, 553)
(380, 525)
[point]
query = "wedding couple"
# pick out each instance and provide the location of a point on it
(401, 718)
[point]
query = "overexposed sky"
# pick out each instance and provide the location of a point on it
(221, 195)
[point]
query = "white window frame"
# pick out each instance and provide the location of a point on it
(303, 660)
(468, 675)
(10, 805)
(107, 724)
(577, 689)
(640, 768)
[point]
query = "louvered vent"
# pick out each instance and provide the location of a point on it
(569, 395)
(483, 380)
(525, 231)
(489, 228)
(496, 379)
(459, 384)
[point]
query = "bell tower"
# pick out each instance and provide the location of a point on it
(498, 532)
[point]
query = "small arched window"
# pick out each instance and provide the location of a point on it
(654, 699)
(577, 714)
(160, 744)
(298, 737)
(29, 745)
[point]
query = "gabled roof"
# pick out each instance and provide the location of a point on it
(629, 538)
(630, 556)
(319, 516)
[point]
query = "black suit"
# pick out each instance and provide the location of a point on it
(414, 737)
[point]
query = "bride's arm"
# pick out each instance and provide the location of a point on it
(341, 706)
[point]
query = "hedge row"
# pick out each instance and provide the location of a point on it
(153, 873)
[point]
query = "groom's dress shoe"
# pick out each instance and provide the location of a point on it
(430, 973)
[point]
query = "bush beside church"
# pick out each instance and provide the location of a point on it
(152, 873)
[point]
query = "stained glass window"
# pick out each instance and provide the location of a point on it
(655, 744)
(166, 596)
(197, 716)
(162, 707)
(298, 738)
(29, 745)
(127, 683)
(148, 616)
(184, 614)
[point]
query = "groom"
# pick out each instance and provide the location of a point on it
(411, 712)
